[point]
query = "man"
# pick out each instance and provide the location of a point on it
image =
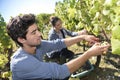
(27, 62)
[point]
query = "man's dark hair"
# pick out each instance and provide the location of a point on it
(17, 26)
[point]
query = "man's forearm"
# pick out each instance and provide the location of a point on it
(76, 63)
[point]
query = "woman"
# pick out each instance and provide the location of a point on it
(58, 32)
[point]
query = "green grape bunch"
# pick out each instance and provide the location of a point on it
(103, 44)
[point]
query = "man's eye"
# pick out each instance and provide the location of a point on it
(33, 32)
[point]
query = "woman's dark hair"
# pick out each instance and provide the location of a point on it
(17, 26)
(54, 19)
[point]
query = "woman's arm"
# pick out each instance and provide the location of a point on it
(73, 40)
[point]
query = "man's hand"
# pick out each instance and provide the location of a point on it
(98, 49)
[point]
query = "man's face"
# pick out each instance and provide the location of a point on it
(33, 37)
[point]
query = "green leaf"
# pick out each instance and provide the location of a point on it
(115, 46)
(116, 32)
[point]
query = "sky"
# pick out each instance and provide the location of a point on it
(13, 8)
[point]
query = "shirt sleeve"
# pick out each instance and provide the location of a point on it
(29, 67)
(53, 45)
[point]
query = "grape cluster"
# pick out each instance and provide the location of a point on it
(103, 44)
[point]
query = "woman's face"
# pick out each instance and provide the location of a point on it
(58, 25)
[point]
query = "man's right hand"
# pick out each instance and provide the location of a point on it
(98, 49)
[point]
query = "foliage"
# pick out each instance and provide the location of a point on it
(43, 23)
(4, 40)
(3, 60)
(97, 16)
(115, 40)
(92, 15)
(5, 46)
(6, 74)
(115, 46)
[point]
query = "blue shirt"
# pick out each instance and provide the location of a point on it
(28, 66)
(54, 35)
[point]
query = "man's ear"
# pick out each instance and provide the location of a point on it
(21, 40)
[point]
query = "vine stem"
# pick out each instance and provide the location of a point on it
(103, 31)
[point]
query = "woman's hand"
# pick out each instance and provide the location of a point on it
(91, 39)
(83, 32)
